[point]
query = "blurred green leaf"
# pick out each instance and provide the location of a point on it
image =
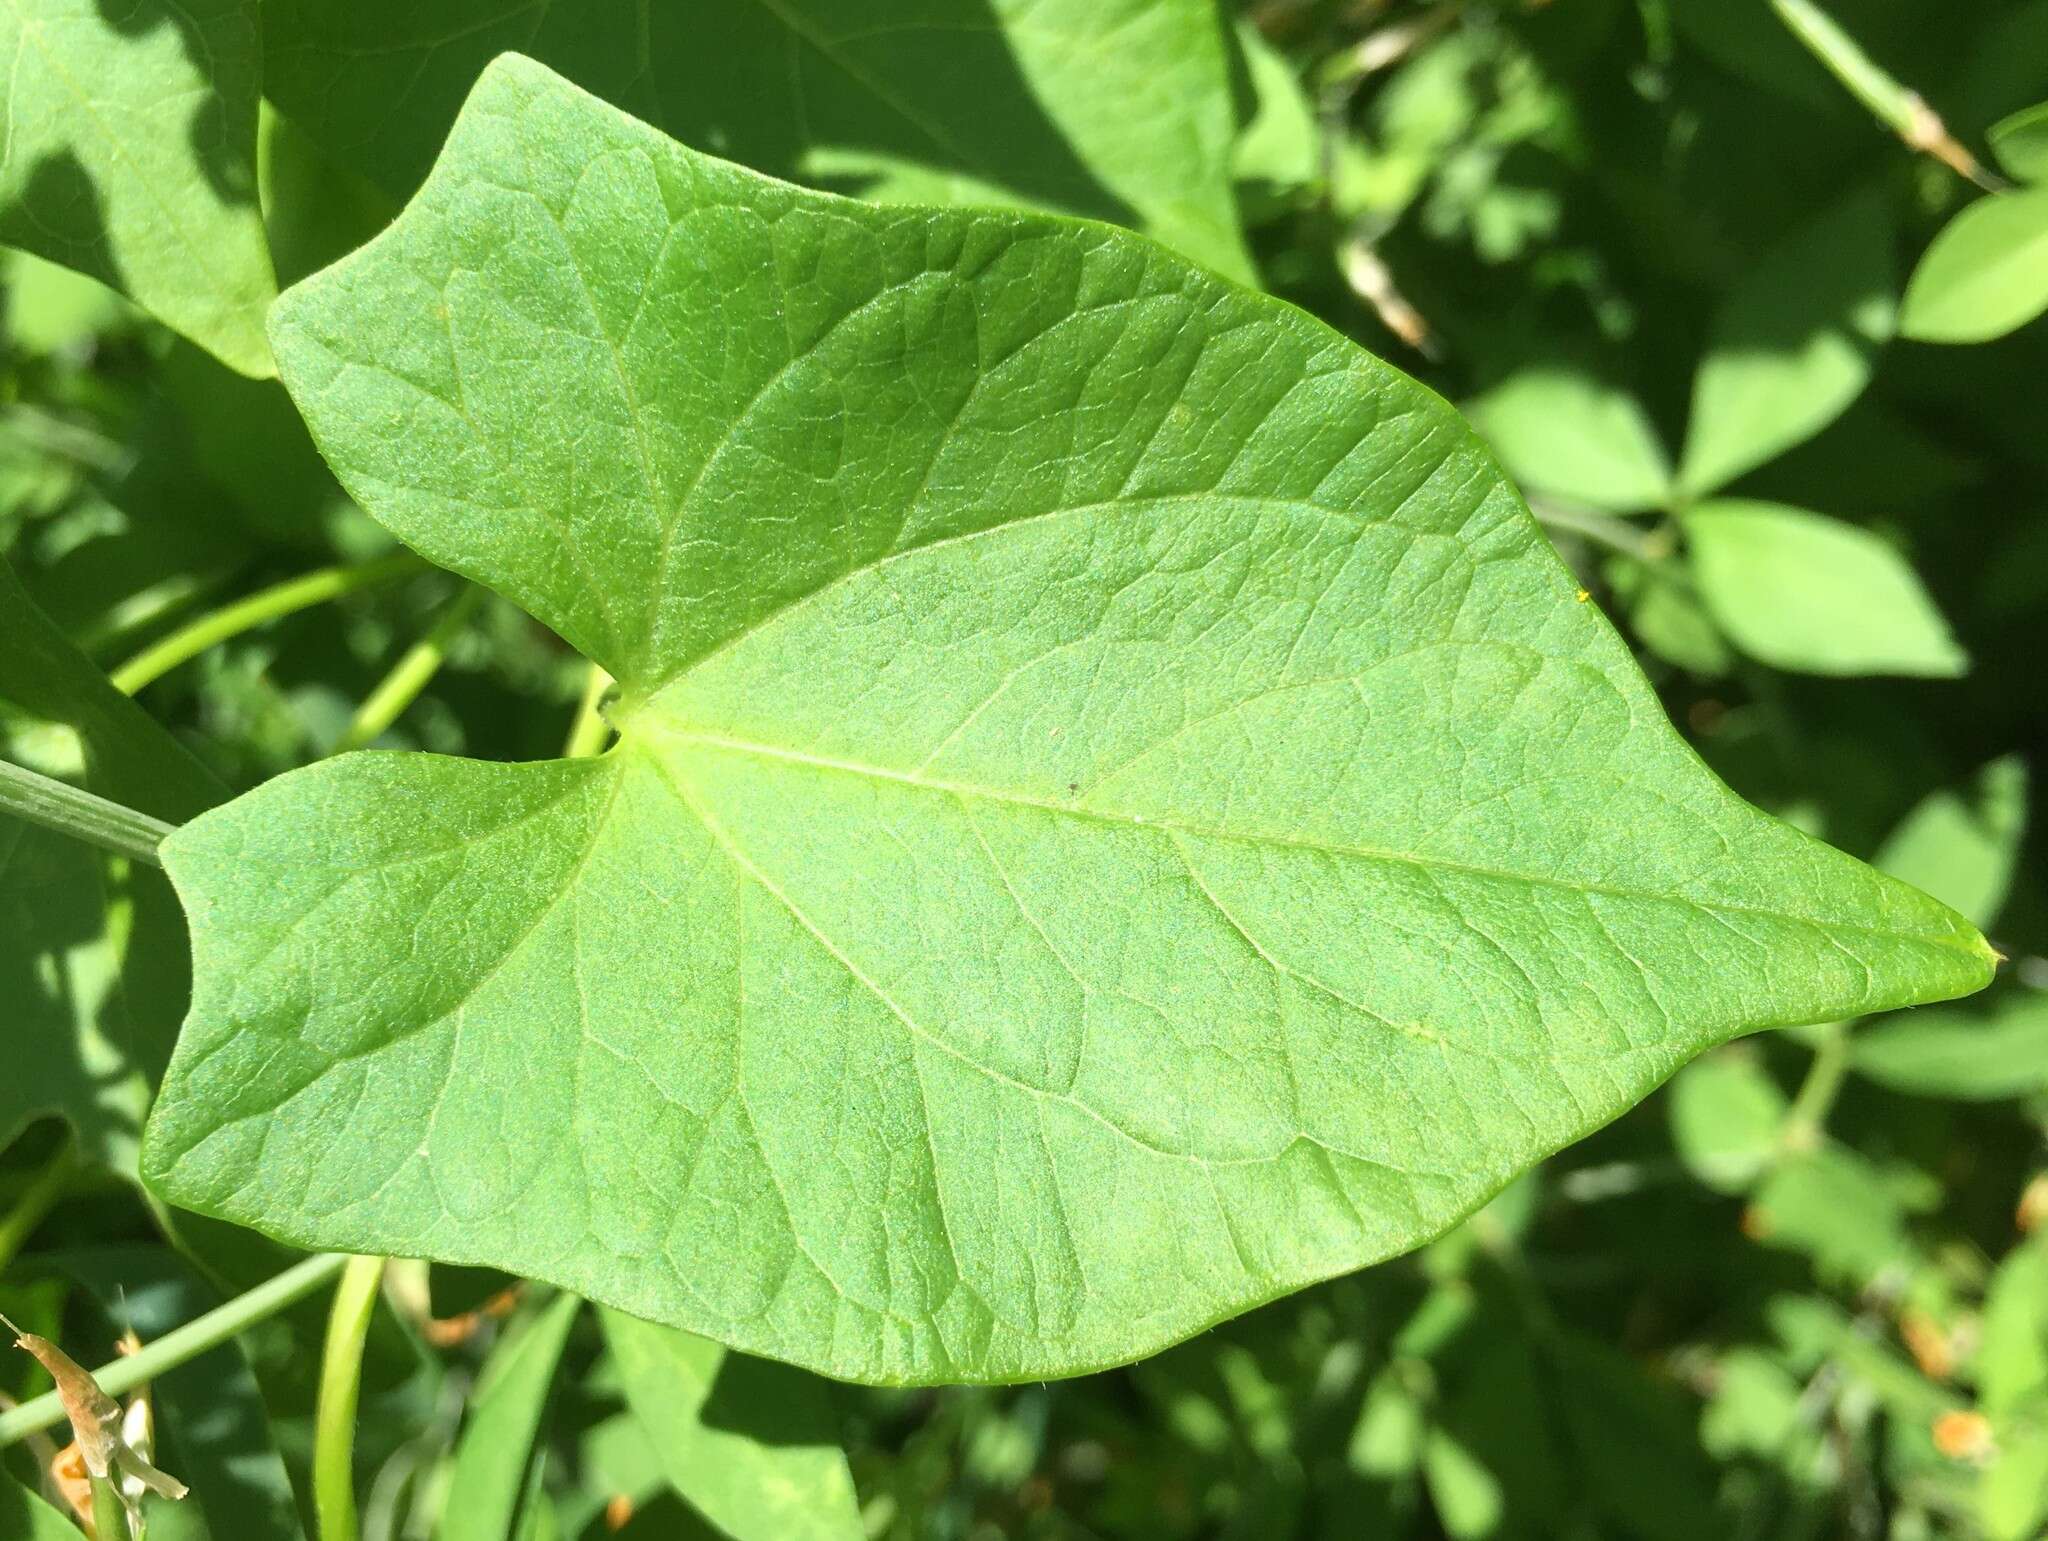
(1642, 1469)
(751, 1444)
(615, 1458)
(51, 307)
(1985, 274)
(1793, 344)
(1727, 1117)
(1567, 433)
(1804, 592)
(1753, 1408)
(493, 1462)
(1470, 1501)
(1969, 1056)
(1386, 1442)
(2012, 1345)
(2020, 141)
(2014, 1502)
(25, 1517)
(1839, 1209)
(1961, 844)
(1278, 152)
(1817, 1332)
(1666, 613)
(130, 154)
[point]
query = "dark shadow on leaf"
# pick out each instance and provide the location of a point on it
(58, 214)
(769, 1403)
(226, 52)
(775, 88)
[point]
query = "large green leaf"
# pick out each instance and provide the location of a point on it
(92, 950)
(1794, 343)
(1115, 108)
(1985, 274)
(749, 1443)
(129, 153)
(1118, 812)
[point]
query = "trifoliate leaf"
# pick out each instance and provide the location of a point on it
(1118, 811)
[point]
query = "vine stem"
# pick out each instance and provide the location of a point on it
(76, 812)
(341, 1379)
(1615, 533)
(1898, 107)
(36, 1202)
(187, 1342)
(1816, 1095)
(411, 674)
(281, 599)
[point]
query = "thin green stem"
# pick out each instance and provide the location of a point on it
(74, 811)
(1898, 107)
(411, 674)
(281, 599)
(187, 1342)
(36, 1201)
(1816, 1095)
(590, 732)
(341, 1378)
(55, 435)
(109, 1514)
(1605, 529)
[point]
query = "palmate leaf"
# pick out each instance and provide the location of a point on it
(1118, 813)
(1119, 109)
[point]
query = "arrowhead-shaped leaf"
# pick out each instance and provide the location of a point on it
(1118, 813)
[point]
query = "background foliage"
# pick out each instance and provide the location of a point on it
(1765, 369)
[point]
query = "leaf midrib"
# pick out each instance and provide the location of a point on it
(685, 738)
